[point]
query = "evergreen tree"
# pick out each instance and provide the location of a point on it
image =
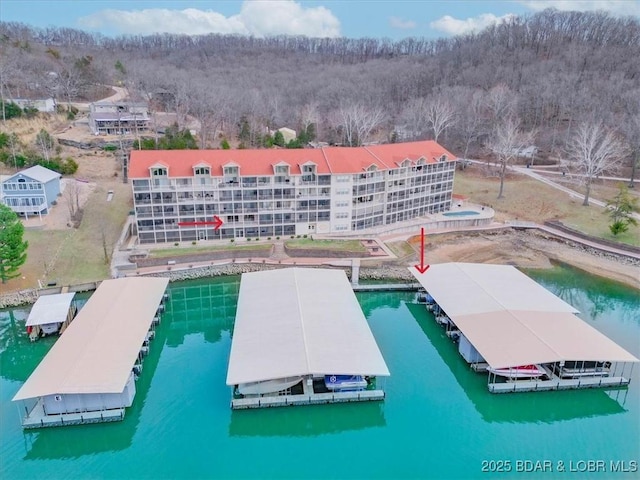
(278, 139)
(13, 250)
(621, 210)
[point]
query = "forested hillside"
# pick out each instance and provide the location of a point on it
(546, 72)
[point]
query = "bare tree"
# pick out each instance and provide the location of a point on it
(72, 196)
(500, 102)
(594, 150)
(309, 115)
(630, 128)
(506, 143)
(440, 114)
(358, 122)
(44, 141)
(414, 115)
(209, 106)
(469, 114)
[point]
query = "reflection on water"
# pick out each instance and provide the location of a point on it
(593, 296)
(309, 420)
(197, 306)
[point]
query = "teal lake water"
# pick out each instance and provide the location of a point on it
(438, 420)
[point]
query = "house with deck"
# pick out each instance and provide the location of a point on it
(117, 118)
(31, 191)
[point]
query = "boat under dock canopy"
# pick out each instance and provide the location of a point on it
(89, 370)
(49, 313)
(301, 323)
(514, 324)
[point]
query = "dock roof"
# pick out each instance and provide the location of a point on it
(300, 321)
(99, 348)
(50, 309)
(511, 320)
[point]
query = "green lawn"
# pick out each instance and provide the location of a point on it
(73, 256)
(401, 249)
(188, 250)
(342, 245)
(528, 199)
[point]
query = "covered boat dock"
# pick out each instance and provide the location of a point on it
(89, 374)
(50, 314)
(300, 337)
(522, 335)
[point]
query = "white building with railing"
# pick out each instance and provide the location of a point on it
(281, 192)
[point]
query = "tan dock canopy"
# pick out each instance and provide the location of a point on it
(50, 309)
(99, 348)
(512, 320)
(299, 321)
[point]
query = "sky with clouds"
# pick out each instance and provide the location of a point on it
(393, 19)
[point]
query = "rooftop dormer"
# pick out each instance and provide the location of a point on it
(281, 172)
(231, 172)
(159, 174)
(202, 170)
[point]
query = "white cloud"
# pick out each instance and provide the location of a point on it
(397, 22)
(615, 7)
(454, 26)
(263, 18)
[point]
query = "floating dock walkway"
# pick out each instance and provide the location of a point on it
(306, 399)
(387, 287)
(38, 419)
(557, 383)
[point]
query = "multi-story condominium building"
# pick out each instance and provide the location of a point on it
(31, 191)
(264, 193)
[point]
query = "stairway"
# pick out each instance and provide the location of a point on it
(278, 251)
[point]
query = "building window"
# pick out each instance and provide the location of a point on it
(230, 171)
(158, 172)
(202, 171)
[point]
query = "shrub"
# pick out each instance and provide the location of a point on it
(248, 239)
(293, 236)
(257, 239)
(193, 243)
(268, 238)
(298, 236)
(224, 144)
(278, 238)
(176, 244)
(232, 240)
(11, 110)
(54, 202)
(304, 236)
(110, 148)
(30, 112)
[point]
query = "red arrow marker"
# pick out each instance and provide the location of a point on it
(422, 267)
(216, 222)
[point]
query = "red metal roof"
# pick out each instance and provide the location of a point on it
(337, 160)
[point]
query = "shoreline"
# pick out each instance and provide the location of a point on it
(522, 249)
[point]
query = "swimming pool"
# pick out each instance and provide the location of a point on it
(461, 214)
